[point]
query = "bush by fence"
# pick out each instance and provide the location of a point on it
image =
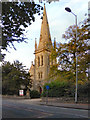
(59, 89)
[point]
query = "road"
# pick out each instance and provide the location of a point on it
(25, 108)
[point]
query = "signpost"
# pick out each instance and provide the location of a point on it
(47, 87)
(21, 93)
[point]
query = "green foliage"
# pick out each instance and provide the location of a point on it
(34, 94)
(66, 54)
(16, 16)
(83, 89)
(66, 89)
(13, 76)
(57, 89)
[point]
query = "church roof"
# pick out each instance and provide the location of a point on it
(45, 38)
(32, 66)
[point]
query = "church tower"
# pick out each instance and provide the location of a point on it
(42, 55)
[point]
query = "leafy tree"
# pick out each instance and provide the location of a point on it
(66, 53)
(16, 16)
(81, 47)
(13, 76)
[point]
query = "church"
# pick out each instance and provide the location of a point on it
(39, 70)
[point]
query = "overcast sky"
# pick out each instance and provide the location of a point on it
(59, 20)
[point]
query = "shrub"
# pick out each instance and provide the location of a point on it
(57, 89)
(66, 89)
(34, 94)
(83, 90)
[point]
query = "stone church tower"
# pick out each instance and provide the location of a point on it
(40, 69)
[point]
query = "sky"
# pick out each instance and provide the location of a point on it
(59, 20)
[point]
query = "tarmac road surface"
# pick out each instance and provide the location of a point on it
(23, 108)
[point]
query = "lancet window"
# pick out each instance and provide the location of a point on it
(41, 60)
(38, 61)
(39, 75)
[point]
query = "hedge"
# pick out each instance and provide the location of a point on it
(59, 89)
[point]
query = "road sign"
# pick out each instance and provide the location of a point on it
(21, 92)
(47, 87)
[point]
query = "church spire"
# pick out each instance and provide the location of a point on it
(45, 38)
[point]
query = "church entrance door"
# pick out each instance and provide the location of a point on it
(40, 90)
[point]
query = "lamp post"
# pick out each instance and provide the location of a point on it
(69, 10)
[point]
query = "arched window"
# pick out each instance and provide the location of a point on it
(38, 61)
(38, 75)
(41, 60)
(48, 60)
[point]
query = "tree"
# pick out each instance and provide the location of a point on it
(66, 53)
(82, 49)
(16, 16)
(13, 77)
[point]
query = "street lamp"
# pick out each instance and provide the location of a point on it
(69, 10)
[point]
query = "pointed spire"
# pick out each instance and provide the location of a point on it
(35, 44)
(44, 12)
(45, 38)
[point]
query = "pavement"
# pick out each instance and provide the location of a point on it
(67, 105)
(39, 101)
(58, 104)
